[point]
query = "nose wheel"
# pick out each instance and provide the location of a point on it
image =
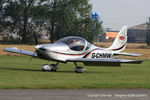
(50, 68)
(79, 69)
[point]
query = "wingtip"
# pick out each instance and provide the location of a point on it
(11, 48)
(138, 61)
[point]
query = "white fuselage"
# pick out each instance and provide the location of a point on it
(60, 52)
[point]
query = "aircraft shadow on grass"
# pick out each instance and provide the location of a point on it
(36, 70)
(20, 69)
(32, 70)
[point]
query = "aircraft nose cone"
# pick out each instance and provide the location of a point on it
(41, 48)
(38, 46)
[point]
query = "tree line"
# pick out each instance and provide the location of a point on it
(59, 18)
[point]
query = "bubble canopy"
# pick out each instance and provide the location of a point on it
(75, 43)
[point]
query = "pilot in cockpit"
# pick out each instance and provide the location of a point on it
(75, 45)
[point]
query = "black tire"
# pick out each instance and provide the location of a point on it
(79, 69)
(54, 68)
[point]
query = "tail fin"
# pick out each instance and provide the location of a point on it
(119, 43)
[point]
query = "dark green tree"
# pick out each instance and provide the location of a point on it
(1, 15)
(58, 17)
(96, 30)
(69, 17)
(19, 15)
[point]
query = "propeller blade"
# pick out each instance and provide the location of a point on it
(35, 38)
(32, 56)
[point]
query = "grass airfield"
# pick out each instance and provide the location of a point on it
(16, 72)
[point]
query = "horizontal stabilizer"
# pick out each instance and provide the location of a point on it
(24, 52)
(128, 54)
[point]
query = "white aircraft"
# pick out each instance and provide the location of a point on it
(76, 49)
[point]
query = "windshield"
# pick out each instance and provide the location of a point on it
(74, 43)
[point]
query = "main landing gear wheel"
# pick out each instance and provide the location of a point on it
(80, 69)
(48, 68)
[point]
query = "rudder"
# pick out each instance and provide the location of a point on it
(119, 43)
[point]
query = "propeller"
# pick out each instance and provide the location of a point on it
(36, 48)
(36, 43)
(32, 56)
(35, 38)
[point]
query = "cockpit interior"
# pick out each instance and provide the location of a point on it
(75, 43)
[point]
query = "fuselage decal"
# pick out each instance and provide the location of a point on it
(101, 55)
(119, 48)
(88, 54)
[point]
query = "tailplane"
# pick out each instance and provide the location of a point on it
(119, 43)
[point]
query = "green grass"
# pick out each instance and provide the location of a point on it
(16, 72)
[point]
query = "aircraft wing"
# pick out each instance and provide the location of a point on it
(128, 54)
(24, 52)
(104, 61)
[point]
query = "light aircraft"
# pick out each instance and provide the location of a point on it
(76, 49)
